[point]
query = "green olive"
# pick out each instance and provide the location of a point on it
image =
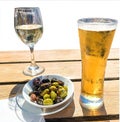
(55, 84)
(61, 89)
(48, 101)
(53, 88)
(44, 92)
(53, 95)
(66, 88)
(63, 94)
(60, 86)
(46, 96)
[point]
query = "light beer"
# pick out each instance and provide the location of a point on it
(95, 46)
(95, 43)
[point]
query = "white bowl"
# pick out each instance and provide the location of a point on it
(28, 88)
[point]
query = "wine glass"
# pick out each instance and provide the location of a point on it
(29, 27)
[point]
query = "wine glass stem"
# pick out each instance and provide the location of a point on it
(32, 57)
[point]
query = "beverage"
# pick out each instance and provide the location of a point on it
(95, 42)
(95, 47)
(30, 33)
(29, 27)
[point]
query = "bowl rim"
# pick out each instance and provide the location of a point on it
(54, 105)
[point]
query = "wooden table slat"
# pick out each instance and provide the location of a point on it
(48, 55)
(13, 72)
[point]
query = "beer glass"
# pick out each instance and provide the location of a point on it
(95, 37)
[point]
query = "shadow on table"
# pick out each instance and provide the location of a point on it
(59, 117)
(95, 114)
(15, 91)
(24, 116)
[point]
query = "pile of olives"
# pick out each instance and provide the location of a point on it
(48, 92)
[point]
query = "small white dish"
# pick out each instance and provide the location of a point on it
(30, 109)
(28, 88)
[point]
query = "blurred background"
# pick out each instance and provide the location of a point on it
(59, 22)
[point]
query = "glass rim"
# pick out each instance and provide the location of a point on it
(26, 8)
(97, 24)
(97, 20)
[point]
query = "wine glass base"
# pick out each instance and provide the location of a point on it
(34, 70)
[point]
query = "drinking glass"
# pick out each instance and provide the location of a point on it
(29, 27)
(95, 37)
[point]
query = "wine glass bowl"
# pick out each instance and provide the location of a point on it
(29, 27)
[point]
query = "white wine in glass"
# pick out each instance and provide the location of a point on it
(29, 27)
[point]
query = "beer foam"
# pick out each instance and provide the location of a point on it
(97, 27)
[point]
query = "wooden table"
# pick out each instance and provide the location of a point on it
(66, 63)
